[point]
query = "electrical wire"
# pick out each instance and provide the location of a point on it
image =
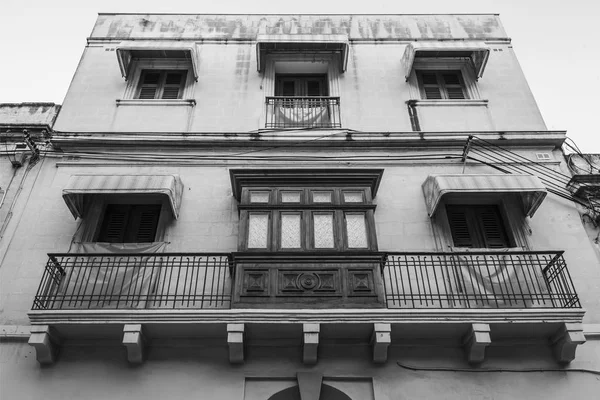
(517, 370)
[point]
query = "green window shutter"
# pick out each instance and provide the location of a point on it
(431, 87)
(144, 221)
(477, 226)
(462, 233)
(124, 223)
(454, 87)
(174, 84)
(492, 228)
(149, 83)
(114, 224)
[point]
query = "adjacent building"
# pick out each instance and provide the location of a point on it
(297, 207)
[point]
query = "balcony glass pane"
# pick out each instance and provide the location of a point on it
(321, 197)
(290, 197)
(258, 230)
(259, 197)
(353, 197)
(323, 230)
(290, 231)
(356, 230)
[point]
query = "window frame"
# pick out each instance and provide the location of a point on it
(307, 208)
(162, 84)
(132, 224)
(303, 79)
(92, 220)
(516, 224)
(475, 227)
(138, 66)
(441, 83)
(444, 64)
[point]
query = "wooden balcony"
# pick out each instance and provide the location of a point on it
(302, 112)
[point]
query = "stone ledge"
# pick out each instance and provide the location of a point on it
(406, 316)
(14, 332)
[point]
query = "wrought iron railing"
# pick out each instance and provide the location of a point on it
(434, 280)
(303, 112)
(135, 281)
(499, 279)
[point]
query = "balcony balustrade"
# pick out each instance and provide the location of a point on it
(303, 112)
(135, 281)
(477, 279)
(434, 280)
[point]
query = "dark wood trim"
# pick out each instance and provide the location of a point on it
(347, 177)
(299, 207)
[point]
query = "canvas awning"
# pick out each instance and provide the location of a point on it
(477, 51)
(337, 44)
(128, 50)
(80, 186)
(528, 187)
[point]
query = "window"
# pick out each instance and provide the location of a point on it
(477, 226)
(297, 219)
(301, 85)
(127, 223)
(161, 84)
(438, 85)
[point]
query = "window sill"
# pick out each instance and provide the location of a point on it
(449, 103)
(140, 102)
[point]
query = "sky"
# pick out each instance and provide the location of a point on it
(556, 42)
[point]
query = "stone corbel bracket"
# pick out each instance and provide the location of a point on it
(565, 341)
(135, 342)
(310, 343)
(46, 343)
(381, 339)
(235, 340)
(476, 341)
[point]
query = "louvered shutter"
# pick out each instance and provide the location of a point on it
(174, 84)
(149, 83)
(458, 219)
(431, 87)
(452, 83)
(114, 224)
(144, 221)
(492, 227)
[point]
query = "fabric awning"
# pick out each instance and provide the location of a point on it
(528, 187)
(301, 44)
(80, 186)
(128, 50)
(477, 51)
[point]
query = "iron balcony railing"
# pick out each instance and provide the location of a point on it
(303, 112)
(435, 280)
(498, 279)
(135, 281)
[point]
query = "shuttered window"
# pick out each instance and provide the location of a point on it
(441, 85)
(477, 226)
(301, 85)
(161, 84)
(125, 223)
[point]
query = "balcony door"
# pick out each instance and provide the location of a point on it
(301, 101)
(301, 86)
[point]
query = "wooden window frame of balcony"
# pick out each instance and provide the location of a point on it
(307, 208)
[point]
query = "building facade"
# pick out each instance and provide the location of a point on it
(298, 207)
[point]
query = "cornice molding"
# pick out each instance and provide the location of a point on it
(323, 139)
(248, 177)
